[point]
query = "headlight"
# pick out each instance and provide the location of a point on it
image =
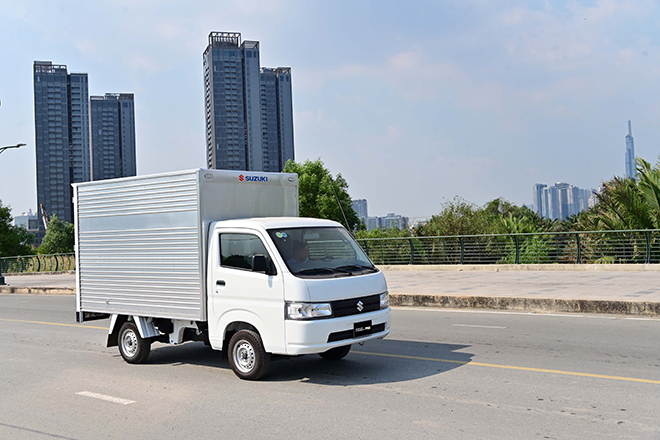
(308, 310)
(384, 300)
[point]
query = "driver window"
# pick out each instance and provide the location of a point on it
(237, 250)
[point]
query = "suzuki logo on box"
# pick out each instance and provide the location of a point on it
(253, 178)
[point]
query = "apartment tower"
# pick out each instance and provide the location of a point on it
(249, 113)
(61, 120)
(113, 136)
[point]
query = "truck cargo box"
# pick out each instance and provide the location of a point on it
(141, 241)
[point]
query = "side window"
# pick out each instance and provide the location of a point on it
(237, 250)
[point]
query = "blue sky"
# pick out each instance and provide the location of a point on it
(412, 102)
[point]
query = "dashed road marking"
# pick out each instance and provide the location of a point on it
(477, 326)
(112, 399)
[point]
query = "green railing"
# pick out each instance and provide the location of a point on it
(592, 247)
(37, 263)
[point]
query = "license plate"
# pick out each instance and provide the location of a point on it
(361, 329)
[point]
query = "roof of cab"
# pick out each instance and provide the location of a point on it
(278, 222)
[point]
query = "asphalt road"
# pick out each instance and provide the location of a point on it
(440, 374)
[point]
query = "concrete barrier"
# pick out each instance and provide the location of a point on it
(542, 305)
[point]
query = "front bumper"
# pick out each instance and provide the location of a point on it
(306, 337)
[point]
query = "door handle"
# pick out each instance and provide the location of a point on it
(220, 282)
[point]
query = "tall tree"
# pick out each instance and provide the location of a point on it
(14, 240)
(59, 237)
(321, 195)
(626, 203)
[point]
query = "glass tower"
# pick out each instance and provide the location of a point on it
(630, 153)
(113, 136)
(249, 113)
(61, 120)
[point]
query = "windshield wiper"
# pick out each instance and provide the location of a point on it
(315, 271)
(354, 267)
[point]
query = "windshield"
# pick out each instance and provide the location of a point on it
(327, 252)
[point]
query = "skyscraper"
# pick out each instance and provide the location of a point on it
(113, 136)
(249, 114)
(360, 208)
(538, 201)
(61, 120)
(630, 153)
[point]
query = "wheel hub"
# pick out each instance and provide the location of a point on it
(244, 356)
(130, 343)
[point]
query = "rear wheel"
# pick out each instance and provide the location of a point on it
(132, 347)
(247, 356)
(335, 354)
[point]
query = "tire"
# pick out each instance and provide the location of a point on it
(335, 354)
(132, 347)
(247, 356)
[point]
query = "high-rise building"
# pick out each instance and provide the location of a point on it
(360, 208)
(561, 200)
(630, 153)
(538, 204)
(276, 118)
(249, 112)
(61, 119)
(113, 136)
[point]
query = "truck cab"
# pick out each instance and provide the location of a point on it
(300, 285)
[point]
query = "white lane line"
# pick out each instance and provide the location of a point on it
(112, 399)
(477, 326)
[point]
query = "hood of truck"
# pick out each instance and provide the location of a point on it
(332, 289)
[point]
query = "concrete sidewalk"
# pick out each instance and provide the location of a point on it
(602, 291)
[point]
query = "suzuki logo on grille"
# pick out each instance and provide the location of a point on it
(360, 306)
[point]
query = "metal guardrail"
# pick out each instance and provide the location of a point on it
(599, 247)
(590, 247)
(37, 263)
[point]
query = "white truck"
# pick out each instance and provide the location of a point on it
(222, 257)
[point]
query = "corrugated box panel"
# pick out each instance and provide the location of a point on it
(139, 247)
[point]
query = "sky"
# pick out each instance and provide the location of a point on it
(413, 102)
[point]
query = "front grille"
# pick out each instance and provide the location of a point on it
(348, 307)
(348, 334)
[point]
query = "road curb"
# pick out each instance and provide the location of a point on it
(8, 290)
(544, 305)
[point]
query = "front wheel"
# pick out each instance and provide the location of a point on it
(335, 354)
(247, 356)
(132, 347)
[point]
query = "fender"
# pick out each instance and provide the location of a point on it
(273, 341)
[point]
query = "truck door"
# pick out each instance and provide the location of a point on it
(241, 294)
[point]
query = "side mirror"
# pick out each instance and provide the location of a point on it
(259, 264)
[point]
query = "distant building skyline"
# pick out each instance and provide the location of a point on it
(249, 109)
(560, 201)
(630, 153)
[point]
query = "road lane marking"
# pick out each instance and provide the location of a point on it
(477, 326)
(52, 323)
(112, 399)
(514, 367)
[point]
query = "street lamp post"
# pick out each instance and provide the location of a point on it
(2, 149)
(2, 279)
